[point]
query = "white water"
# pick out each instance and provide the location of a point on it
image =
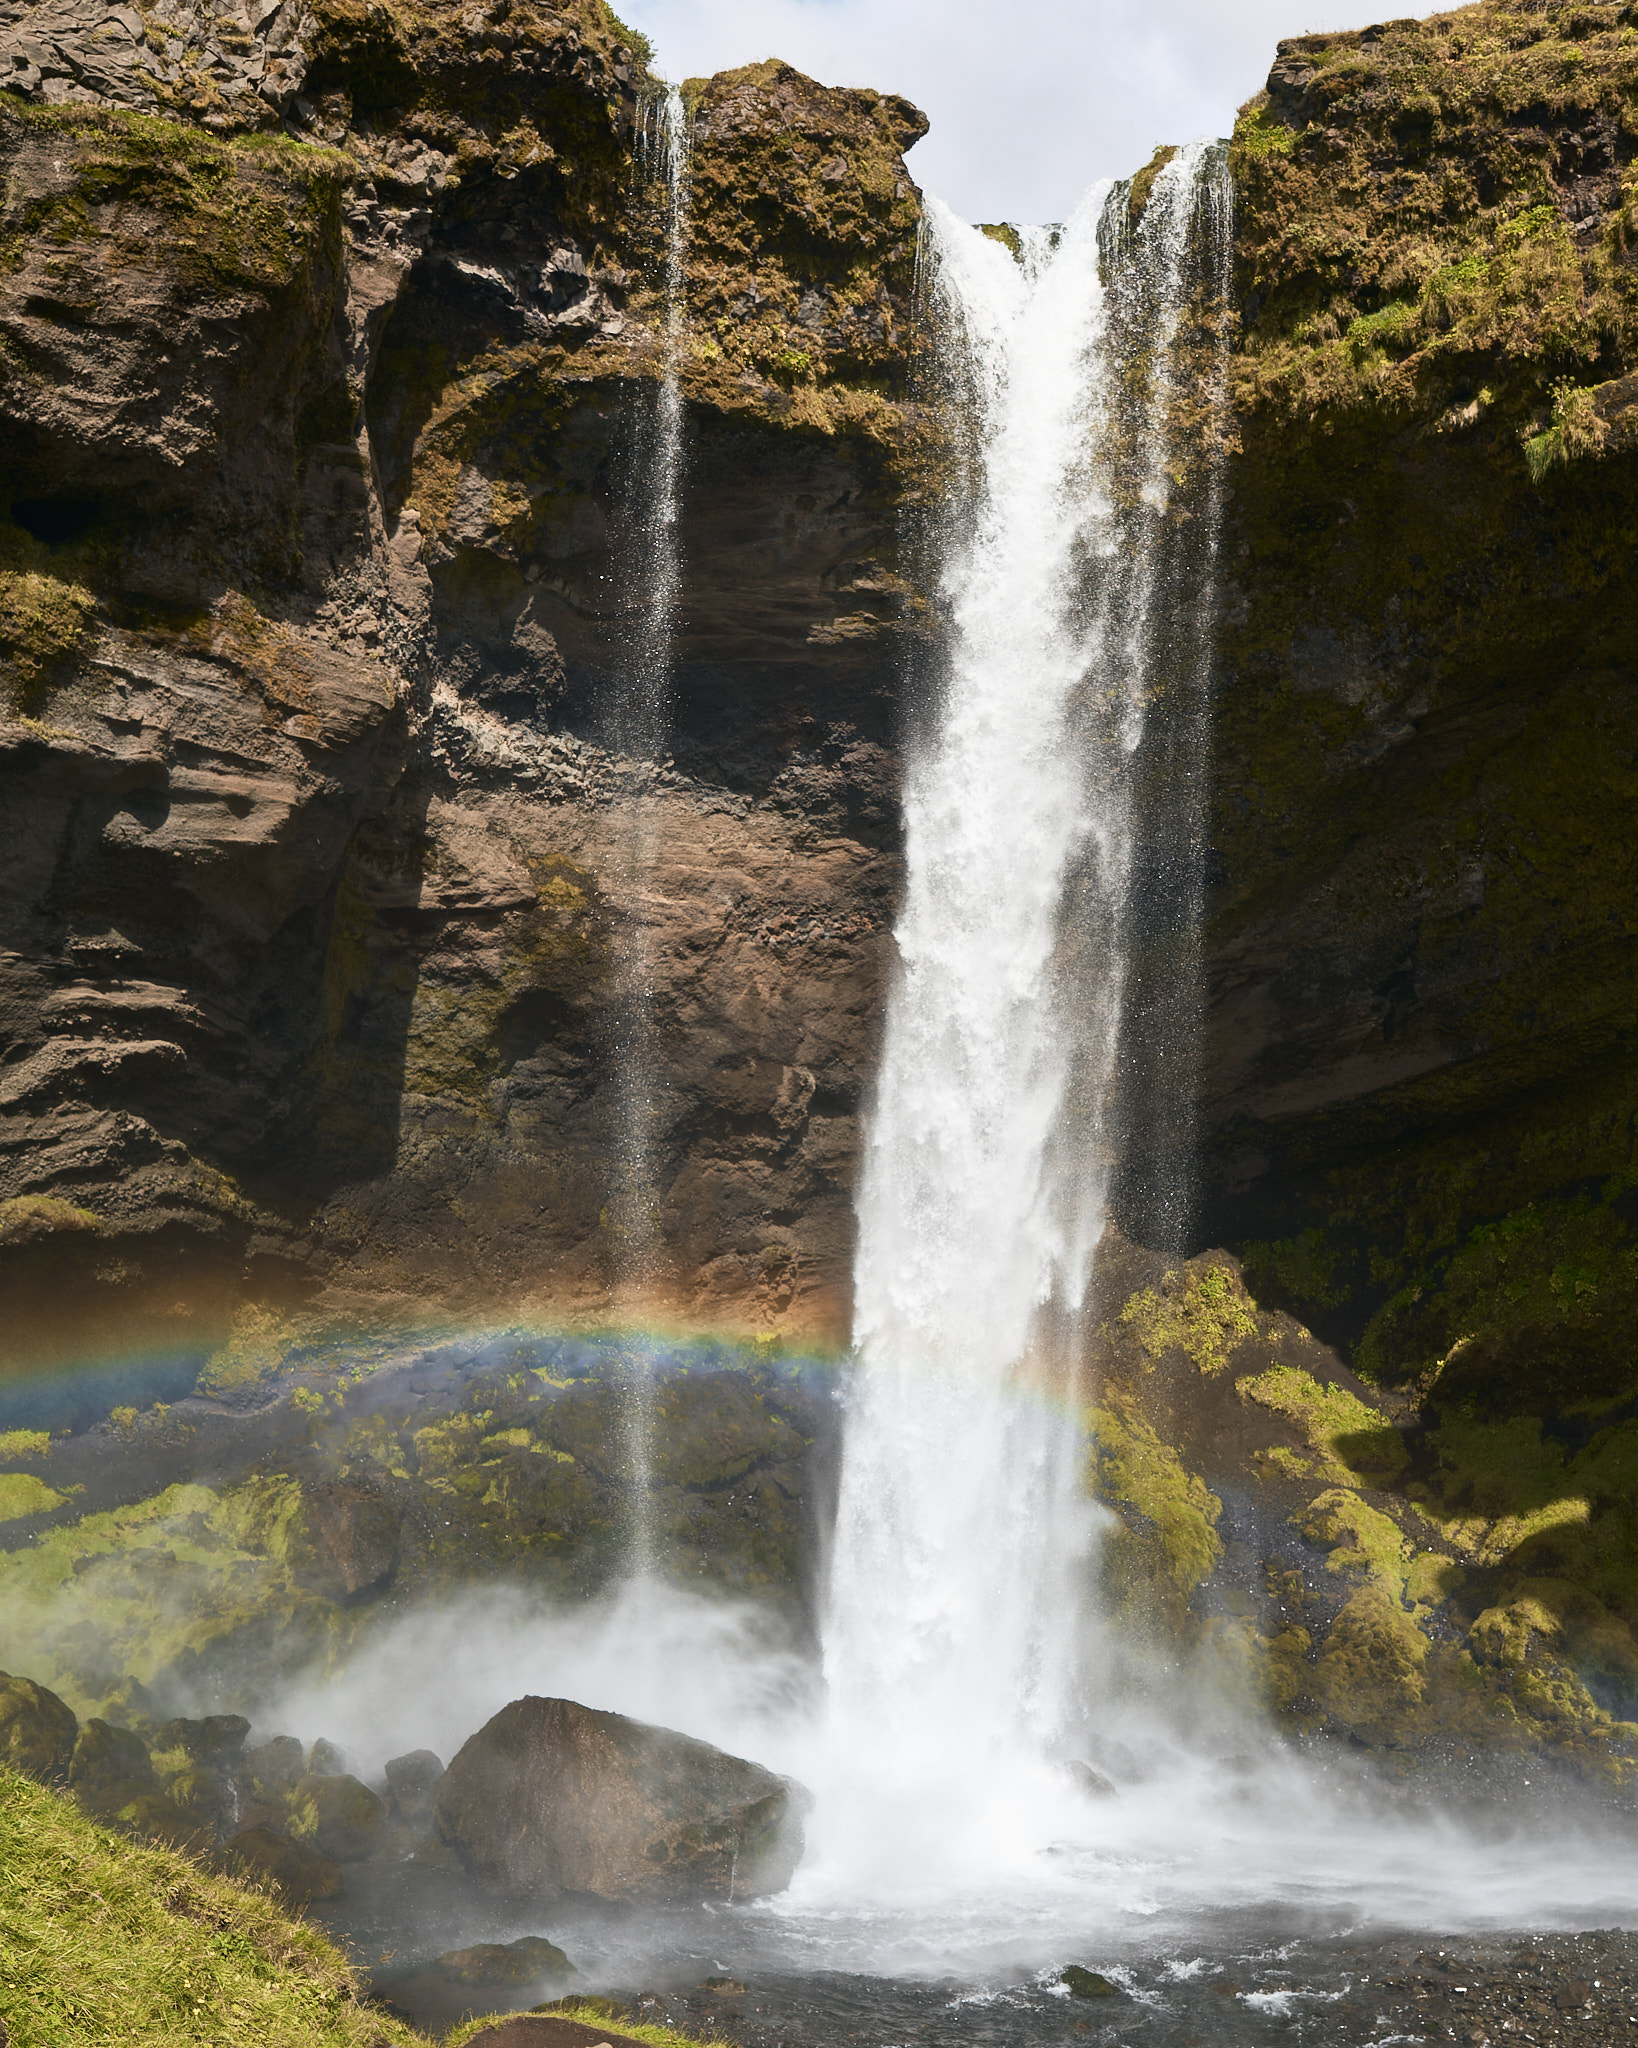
(953, 1633)
(653, 567)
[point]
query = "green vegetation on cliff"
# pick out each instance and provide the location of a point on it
(1416, 1583)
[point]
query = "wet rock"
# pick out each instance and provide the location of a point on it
(412, 1781)
(110, 1767)
(552, 1797)
(295, 1871)
(336, 1815)
(265, 1779)
(1088, 1780)
(548, 2030)
(326, 1759)
(507, 1966)
(214, 1741)
(273, 1767)
(37, 1729)
(1082, 1983)
(203, 1796)
(351, 1537)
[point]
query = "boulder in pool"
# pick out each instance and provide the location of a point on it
(551, 1797)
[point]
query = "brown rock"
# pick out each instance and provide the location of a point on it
(110, 1767)
(352, 1534)
(554, 1797)
(507, 1966)
(411, 1783)
(548, 2030)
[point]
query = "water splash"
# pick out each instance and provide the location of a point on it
(951, 1641)
(651, 568)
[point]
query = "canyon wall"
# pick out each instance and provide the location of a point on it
(329, 347)
(329, 344)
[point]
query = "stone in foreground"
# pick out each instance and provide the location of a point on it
(552, 1797)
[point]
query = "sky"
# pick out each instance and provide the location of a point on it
(1031, 101)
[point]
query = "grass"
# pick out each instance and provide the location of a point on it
(108, 1941)
(597, 2012)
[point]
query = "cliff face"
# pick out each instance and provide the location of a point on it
(1420, 1075)
(329, 345)
(322, 403)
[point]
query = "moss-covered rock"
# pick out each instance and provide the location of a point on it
(336, 1815)
(389, 1490)
(296, 1874)
(1415, 1580)
(37, 1728)
(1421, 1041)
(110, 1767)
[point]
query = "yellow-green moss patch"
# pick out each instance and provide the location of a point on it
(1205, 1318)
(1349, 1438)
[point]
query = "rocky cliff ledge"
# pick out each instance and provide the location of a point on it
(326, 336)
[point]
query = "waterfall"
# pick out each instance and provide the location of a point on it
(951, 1646)
(649, 571)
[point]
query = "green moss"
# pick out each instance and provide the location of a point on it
(1395, 224)
(256, 1345)
(1206, 1319)
(1168, 1545)
(602, 2012)
(45, 622)
(239, 214)
(21, 1493)
(188, 1582)
(1349, 1438)
(105, 1941)
(1137, 198)
(1370, 1672)
(23, 1443)
(1302, 1271)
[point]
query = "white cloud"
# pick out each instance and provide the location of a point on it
(1030, 100)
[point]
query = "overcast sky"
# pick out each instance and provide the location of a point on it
(1030, 100)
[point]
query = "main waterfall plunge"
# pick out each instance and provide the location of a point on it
(950, 1634)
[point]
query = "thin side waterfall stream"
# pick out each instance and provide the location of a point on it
(652, 567)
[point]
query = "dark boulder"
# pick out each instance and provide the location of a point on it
(506, 1966)
(295, 1872)
(336, 1815)
(110, 1767)
(210, 1743)
(37, 1729)
(411, 1783)
(554, 1797)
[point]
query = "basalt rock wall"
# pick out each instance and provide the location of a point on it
(1419, 1079)
(328, 345)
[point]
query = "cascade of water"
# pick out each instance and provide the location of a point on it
(651, 571)
(950, 1639)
